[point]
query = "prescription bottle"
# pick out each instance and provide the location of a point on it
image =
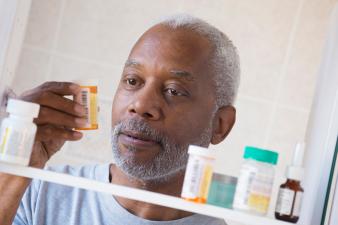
(198, 174)
(18, 132)
(254, 187)
(88, 98)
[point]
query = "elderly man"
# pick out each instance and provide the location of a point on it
(177, 88)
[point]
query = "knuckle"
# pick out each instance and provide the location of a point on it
(44, 95)
(59, 85)
(43, 112)
(52, 85)
(47, 84)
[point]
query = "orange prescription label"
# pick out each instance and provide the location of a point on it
(197, 179)
(88, 99)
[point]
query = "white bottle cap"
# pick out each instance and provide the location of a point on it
(87, 82)
(295, 170)
(197, 150)
(22, 108)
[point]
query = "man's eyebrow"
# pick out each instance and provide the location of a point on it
(175, 72)
(132, 63)
(183, 74)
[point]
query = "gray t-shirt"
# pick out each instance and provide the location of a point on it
(47, 203)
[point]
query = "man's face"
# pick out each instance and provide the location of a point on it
(165, 101)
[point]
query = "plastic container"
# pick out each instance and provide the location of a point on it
(18, 132)
(88, 99)
(254, 187)
(222, 190)
(198, 174)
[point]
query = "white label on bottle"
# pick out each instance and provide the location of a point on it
(297, 204)
(285, 201)
(5, 134)
(247, 175)
(15, 144)
(85, 101)
(192, 178)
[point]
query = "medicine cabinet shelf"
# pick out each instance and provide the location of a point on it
(137, 194)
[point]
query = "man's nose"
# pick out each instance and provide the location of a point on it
(147, 104)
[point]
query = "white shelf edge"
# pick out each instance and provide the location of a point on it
(137, 194)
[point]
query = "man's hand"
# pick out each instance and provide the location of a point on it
(57, 118)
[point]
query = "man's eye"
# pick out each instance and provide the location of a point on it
(173, 92)
(131, 81)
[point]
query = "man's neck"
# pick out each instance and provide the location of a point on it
(146, 210)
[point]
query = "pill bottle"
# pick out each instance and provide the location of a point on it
(198, 174)
(290, 193)
(254, 186)
(222, 190)
(88, 98)
(18, 132)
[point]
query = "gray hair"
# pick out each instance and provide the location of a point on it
(224, 61)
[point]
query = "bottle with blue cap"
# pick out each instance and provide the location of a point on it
(18, 131)
(254, 186)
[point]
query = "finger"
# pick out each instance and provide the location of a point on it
(60, 103)
(48, 132)
(54, 117)
(61, 88)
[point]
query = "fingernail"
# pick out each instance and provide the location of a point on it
(77, 135)
(74, 87)
(80, 121)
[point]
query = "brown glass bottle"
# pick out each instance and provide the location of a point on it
(289, 200)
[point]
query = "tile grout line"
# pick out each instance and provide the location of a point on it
(279, 105)
(54, 43)
(56, 39)
(72, 57)
(283, 70)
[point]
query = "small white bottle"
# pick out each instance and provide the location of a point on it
(18, 131)
(198, 174)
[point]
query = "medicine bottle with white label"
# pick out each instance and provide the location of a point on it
(255, 182)
(18, 132)
(198, 174)
(290, 193)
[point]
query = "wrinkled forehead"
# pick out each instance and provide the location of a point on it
(180, 48)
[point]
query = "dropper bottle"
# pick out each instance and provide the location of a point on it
(290, 193)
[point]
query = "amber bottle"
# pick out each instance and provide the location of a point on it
(289, 201)
(290, 193)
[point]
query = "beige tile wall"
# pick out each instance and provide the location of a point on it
(279, 43)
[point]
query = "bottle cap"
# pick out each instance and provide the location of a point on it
(87, 82)
(197, 150)
(294, 173)
(295, 170)
(224, 178)
(261, 155)
(22, 108)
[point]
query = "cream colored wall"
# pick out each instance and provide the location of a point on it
(279, 43)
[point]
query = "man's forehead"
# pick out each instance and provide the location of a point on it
(180, 52)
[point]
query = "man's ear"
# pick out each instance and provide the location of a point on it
(223, 122)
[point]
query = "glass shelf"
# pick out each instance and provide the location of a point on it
(137, 194)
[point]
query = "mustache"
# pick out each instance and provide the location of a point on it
(141, 127)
